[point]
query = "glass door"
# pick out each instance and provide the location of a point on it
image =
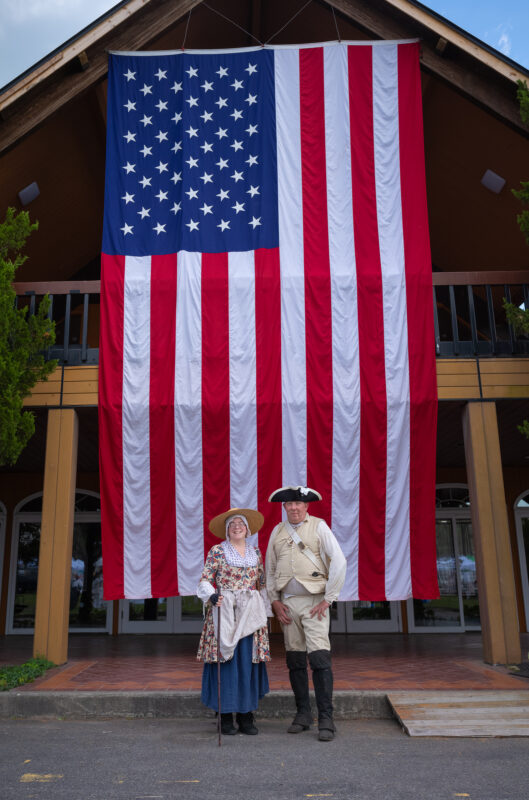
(457, 608)
(88, 611)
(362, 616)
(522, 533)
(161, 615)
(3, 517)
(154, 615)
(468, 582)
(189, 615)
(370, 617)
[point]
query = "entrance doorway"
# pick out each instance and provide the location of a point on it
(457, 608)
(88, 611)
(161, 615)
(360, 616)
(521, 513)
(3, 517)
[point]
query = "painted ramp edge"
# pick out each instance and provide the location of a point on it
(463, 714)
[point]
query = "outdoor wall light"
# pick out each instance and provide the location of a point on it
(29, 193)
(492, 181)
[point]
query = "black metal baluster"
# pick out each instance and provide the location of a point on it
(436, 323)
(492, 320)
(66, 340)
(473, 325)
(85, 327)
(50, 317)
(453, 313)
(32, 300)
(512, 335)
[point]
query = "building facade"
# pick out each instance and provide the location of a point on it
(52, 134)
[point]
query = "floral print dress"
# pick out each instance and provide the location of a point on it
(223, 576)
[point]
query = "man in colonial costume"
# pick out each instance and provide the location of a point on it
(305, 570)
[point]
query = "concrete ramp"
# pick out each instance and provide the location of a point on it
(460, 713)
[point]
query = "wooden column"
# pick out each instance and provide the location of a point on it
(56, 536)
(497, 593)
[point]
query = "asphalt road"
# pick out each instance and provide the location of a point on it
(166, 759)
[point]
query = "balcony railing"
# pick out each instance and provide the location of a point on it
(469, 317)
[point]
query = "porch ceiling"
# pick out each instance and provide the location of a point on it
(450, 448)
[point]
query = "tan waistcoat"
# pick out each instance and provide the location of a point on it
(291, 563)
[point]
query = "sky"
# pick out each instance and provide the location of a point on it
(30, 29)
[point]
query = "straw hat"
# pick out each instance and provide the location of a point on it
(217, 525)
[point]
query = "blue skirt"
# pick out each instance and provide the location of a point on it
(242, 683)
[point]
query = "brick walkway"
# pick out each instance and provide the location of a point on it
(361, 661)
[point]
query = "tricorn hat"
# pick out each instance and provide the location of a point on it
(254, 518)
(289, 493)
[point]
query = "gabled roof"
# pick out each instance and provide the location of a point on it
(477, 70)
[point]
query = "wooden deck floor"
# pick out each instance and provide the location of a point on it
(481, 713)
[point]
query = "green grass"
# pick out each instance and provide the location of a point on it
(10, 677)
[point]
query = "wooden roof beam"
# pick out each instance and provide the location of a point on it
(473, 71)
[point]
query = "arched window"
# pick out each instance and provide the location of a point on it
(88, 611)
(454, 495)
(3, 517)
(521, 514)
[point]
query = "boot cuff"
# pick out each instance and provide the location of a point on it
(320, 659)
(296, 659)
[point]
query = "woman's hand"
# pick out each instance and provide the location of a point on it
(216, 599)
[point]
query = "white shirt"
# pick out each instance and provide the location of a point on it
(331, 555)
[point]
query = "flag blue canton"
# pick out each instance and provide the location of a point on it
(191, 153)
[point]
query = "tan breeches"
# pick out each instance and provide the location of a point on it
(306, 633)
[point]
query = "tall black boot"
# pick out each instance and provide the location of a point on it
(245, 723)
(299, 680)
(320, 662)
(226, 725)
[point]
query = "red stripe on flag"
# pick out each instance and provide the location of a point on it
(164, 581)
(373, 417)
(318, 314)
(421, 345)
(110, 423)
(215, 389)
(268, 387)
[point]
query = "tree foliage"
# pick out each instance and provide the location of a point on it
(23, 340)
(522, 194)
(519, 317)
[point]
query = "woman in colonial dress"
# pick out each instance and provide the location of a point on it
(233, 580)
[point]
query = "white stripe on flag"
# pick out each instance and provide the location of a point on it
(243, 399)
(389, 214)
(136, 456)
(346, 371)
(293, 362)
(188, 423)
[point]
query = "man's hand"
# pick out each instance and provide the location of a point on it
(320, 609)
(281, 612)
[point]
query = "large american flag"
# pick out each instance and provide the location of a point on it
(267, 309)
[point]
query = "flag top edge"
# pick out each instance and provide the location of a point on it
(255, 48)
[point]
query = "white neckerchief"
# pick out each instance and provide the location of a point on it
(234, 558)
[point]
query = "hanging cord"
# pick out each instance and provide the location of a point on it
(234, 23)
(336, 24)
(187, 27)
(288, 22)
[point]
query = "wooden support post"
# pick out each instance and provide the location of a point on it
(497, 593)
(56, 537)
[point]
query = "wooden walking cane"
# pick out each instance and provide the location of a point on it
(218, 672)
